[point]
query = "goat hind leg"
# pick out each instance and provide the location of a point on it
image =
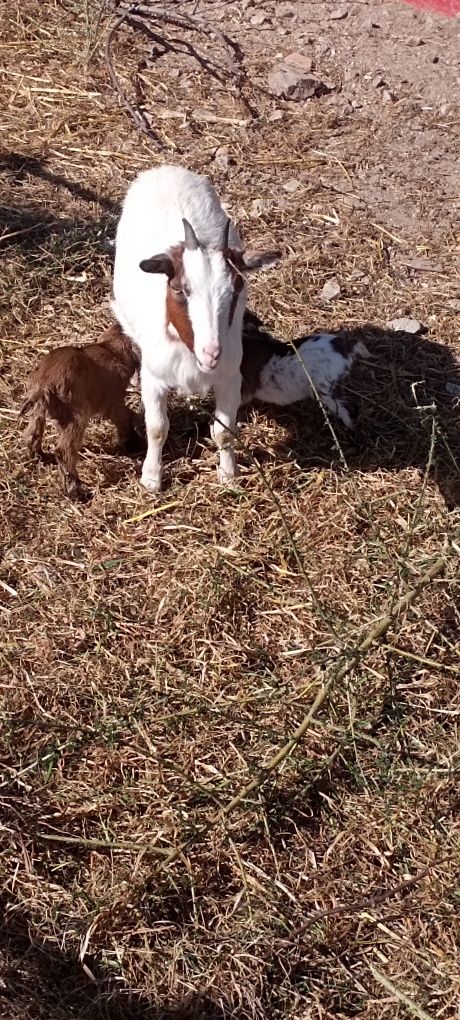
(69, 443)
(34, 432)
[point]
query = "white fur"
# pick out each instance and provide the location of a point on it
(151, 223)
(285, 380)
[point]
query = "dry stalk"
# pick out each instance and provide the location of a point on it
(370, 902)
(412, 1006)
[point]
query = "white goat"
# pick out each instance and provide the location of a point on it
(180, 294)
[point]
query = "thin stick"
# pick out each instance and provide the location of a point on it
(257, 782)
(421, 659)
(138, 118)
(371, 902)
(180, 20)
(103, 844)
(412, 1006)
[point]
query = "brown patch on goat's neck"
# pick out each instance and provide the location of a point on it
(178, 317)
(176, 302)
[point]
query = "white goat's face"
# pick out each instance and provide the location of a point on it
(206, 292)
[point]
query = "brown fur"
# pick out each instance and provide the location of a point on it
(177, 316)
(71, 385)
(176, 301)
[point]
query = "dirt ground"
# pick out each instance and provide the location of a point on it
(156, 654)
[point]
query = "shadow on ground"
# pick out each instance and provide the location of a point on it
(43, 983)
(26, 223)
(409, 413)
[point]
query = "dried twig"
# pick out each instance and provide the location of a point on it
(370, 902)
(137, 115)
(103, 844)
(412, 1006)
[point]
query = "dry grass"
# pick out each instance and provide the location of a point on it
(152, 663)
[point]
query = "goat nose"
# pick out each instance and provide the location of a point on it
(212, 354)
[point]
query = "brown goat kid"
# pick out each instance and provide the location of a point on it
(71, 385)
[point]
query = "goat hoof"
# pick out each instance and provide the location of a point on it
(226, 477)
(152, 485)
(79, 493)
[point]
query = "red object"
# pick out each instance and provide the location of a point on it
(448, 7)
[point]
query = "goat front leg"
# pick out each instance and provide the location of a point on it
(128, 436)
(156, 426)
(223, 429)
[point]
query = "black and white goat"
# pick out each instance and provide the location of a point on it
(279, 373)
(180, 295)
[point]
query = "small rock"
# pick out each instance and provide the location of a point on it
(406, 325)
(174, 72)
(388, 97)
(300, 61)
(291, 185)
(289, 82)
(259, 18)
(378, 82)
(322, 50)
(452, 389)
(276, 115)
(222, 158)
(423, 265)
(454, 304)
(259, 206)
(339, 13)
(414, 40)
(330, 290)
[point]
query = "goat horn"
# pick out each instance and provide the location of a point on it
(225, 234)
(191, 240)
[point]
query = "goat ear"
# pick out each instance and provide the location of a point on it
(253, 260)
(158, 264)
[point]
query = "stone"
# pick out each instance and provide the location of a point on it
(423, 264)
(259, 18)
(299, 60)
(222, 158)
(339, 13)
(406, 325)
(259, 206)
(330, 290)
(289, 82)
(291, 185)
